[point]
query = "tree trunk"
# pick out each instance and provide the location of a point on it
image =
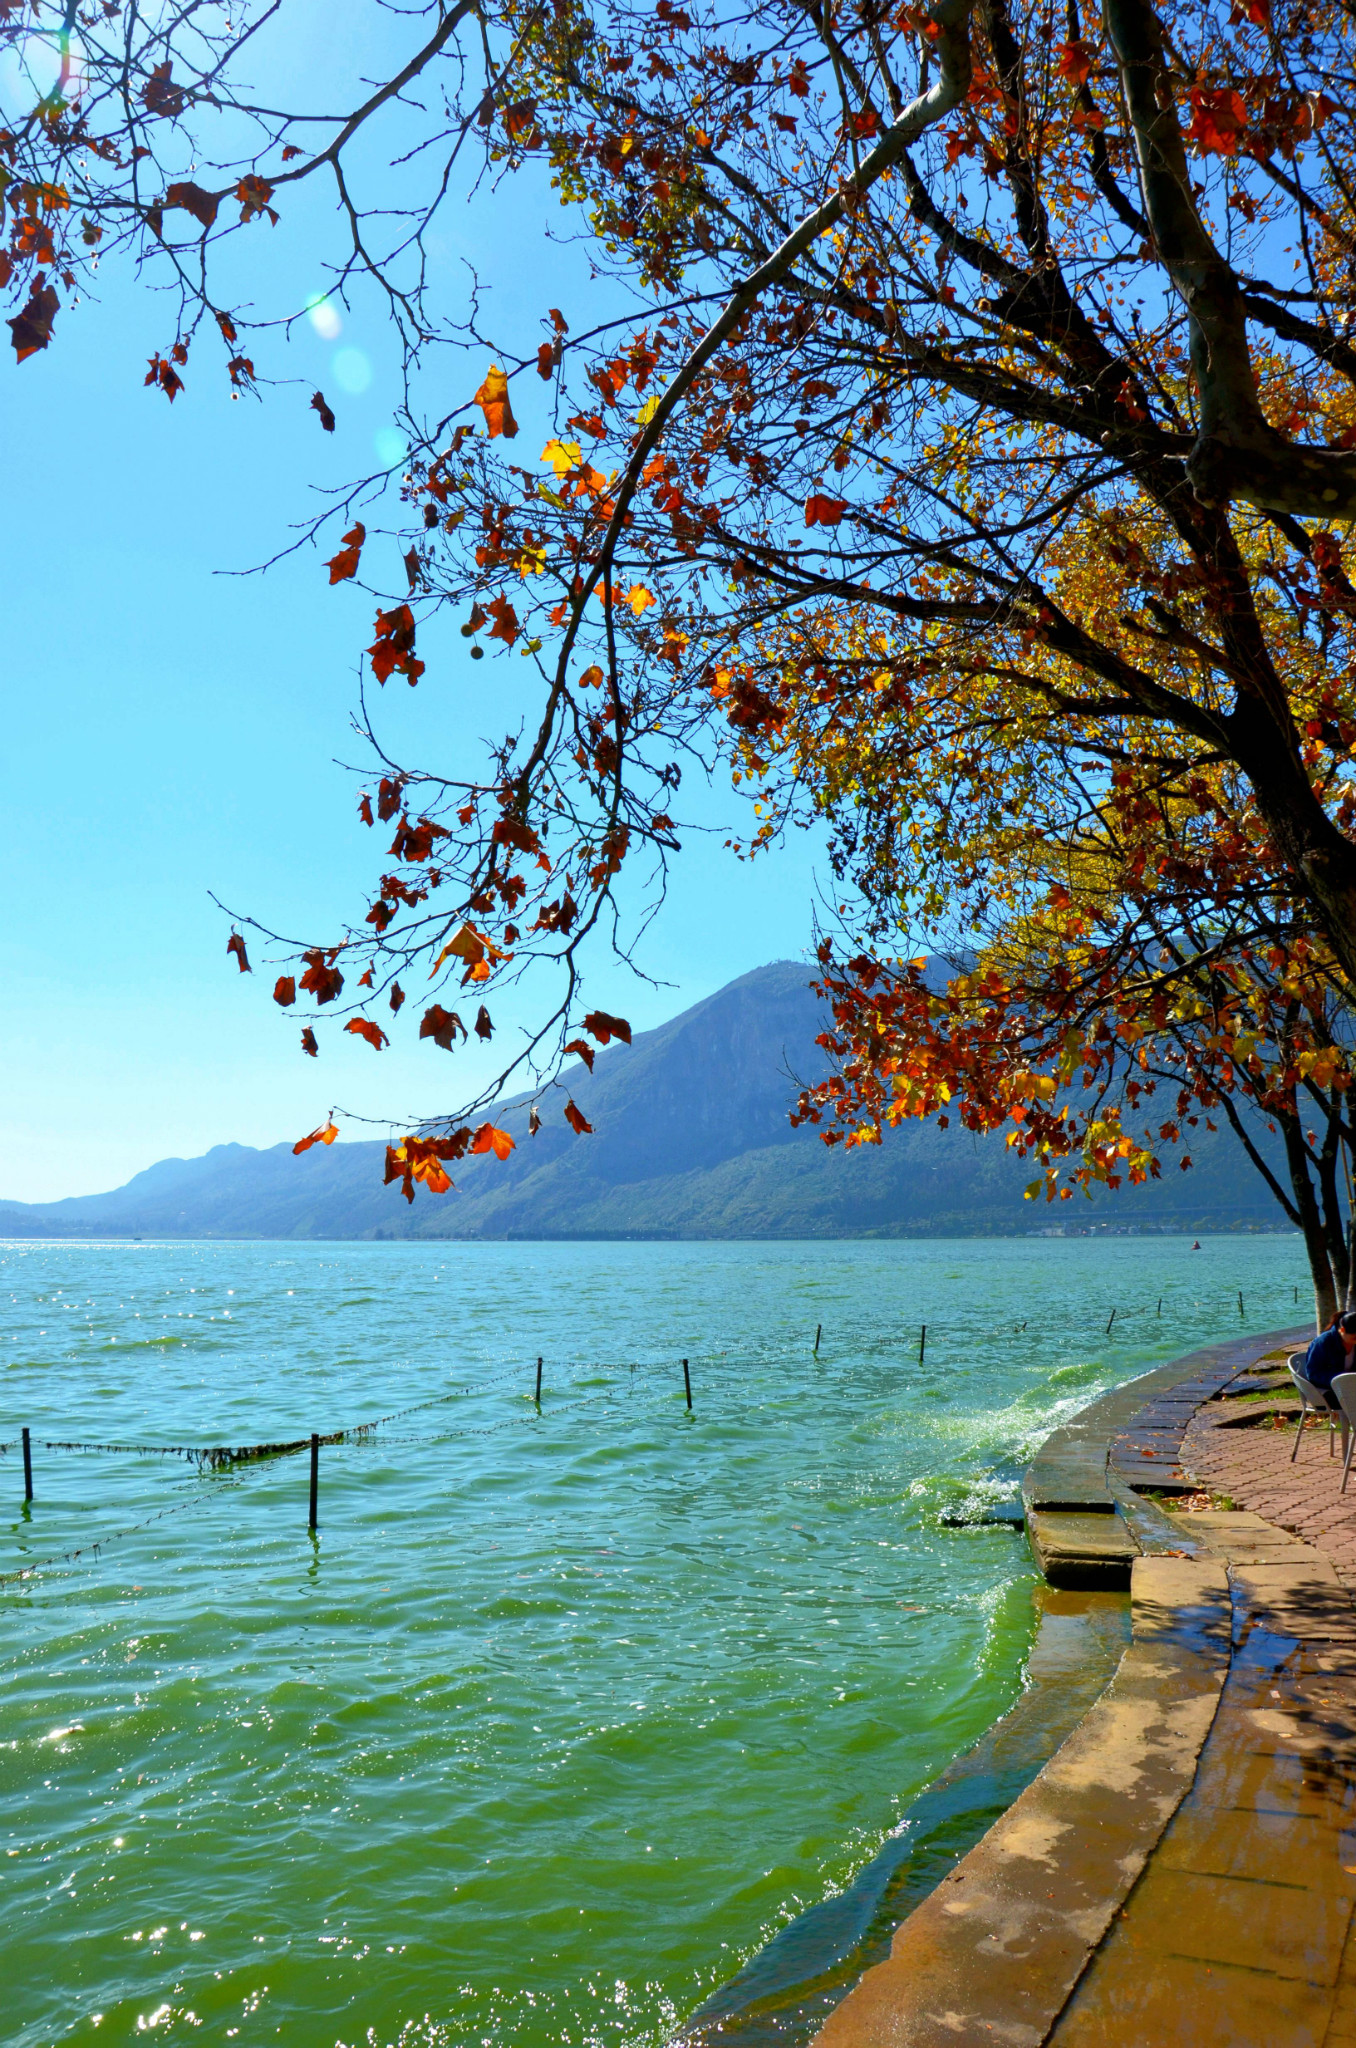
(1311, 1220)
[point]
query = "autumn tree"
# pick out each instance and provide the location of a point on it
(1015, 335)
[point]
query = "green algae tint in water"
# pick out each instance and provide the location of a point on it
(562, 1716)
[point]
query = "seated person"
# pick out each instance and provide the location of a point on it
(1332, 1352)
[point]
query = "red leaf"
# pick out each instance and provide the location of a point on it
(319, 405)
(159, 96)
(439, 1024)
(1218, 119)
(163, 374)
(393, 648)
(324, 1134)
(365, 808)
(322, 978)
(254, 193)
(235, 944)
(345, 563)
(604, 1028)
(822, 511)
(32, 328)
(488, 1139)
(533, 1121)
(362, 1027)
(505, 627)
(585, 1052)
(484, 1028)
(546, 361)
(308, 1043)
(576, 1120)
(192, 199)
(1075, 62)
(412, 567)
(285, 991)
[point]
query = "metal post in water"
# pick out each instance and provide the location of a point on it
(28, 1468)
(687, 1383)
(819, 1331)
(1160, 1304)
(537, 1396)
(922, 1342)
(1240, 1301)
(315, 1477)
(1109, 1321)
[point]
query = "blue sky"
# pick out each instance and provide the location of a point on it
(171, 730)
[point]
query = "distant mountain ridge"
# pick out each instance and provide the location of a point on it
(691, 1140)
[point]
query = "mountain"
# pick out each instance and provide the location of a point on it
(691, 1140)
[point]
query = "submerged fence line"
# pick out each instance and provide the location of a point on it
(312, 1443)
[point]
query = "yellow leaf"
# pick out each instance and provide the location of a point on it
(639, 598)
(563, 456)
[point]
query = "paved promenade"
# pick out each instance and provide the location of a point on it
(1183, 1870)
(1253, 1466)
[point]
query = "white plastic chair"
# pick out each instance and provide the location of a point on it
(1344, 1386)
(1315, 1401)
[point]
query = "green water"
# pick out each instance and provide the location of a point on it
(563, 1715)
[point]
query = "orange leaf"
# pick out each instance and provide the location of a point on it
(576, 1120)
(345, 563)
(362, 1027)
(285, 991)
(235, 944)
(493, 400)
(585, 1052)
(639, 598)
(324, 1134)
(488, 1139)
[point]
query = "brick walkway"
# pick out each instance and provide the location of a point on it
(1253, 1467)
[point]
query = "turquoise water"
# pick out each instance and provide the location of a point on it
(562, 1715)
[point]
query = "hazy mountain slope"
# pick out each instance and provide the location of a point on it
(691, 1139)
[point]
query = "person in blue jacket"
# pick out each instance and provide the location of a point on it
(1333, 1351)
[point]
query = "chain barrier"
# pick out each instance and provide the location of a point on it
(91, 1550)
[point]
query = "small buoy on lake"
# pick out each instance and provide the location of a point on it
(1196, 1247)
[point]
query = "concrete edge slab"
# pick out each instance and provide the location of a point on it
(995, 1951)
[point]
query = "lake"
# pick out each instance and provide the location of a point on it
(562, 1714)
